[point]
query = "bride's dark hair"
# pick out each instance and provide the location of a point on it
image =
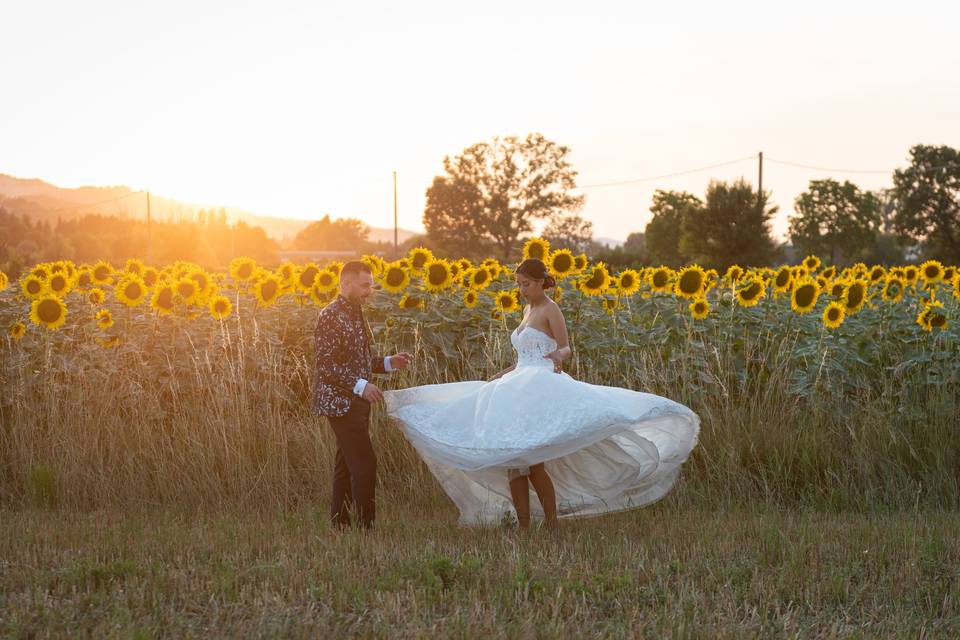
(534, 268)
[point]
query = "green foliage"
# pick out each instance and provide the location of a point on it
(494, 191)
(343, 234)
(835, 221)
(928, 200)
(663, 232)
(733, 227)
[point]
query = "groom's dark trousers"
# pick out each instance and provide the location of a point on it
(344, 357)
(355, 468)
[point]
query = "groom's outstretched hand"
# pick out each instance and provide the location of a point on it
(401, 360)
(372, 394)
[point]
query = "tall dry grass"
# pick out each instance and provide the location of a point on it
(221, 415)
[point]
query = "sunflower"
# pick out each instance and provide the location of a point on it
(33, 287)
(782, 279)
(465, 265)
(18, 330)
(661, 278)
(507, 301)
(470, 298)
(691, 282)
(893, 290)
(812, 263)
(375, 263)
(949, 274)
(823, 283)
(4, 281)
(83, 279)
(102, 273)
(700, 308)
(59, 284)
(109, 342)
(804, 296)
(162, 300)
(455, 271)
(419, 256)
(220, 307)
(326, 280)
(135, 266)
(494, 267)
(478, 278)
(855, 296)
(130, 290)
(436, 275)
(627, 282)
(834, 314)
(733, 274)
(912, 274)
(267, 290)
(610, 305)
(242, 268)
(561, 263)
(41, 271)
(187, 290)
(931, 271)
(48, 311)
(104, 318)
(829, 273)
(305, 276)
(536, 248)
(750, 293)
(557, 294)
(320, 297)
(204, 283)
(936, 320)
(837, 288)
(877, 273)
(410, 302)
(580, 262)
(597, 281)
(394, 278)
(956, 288)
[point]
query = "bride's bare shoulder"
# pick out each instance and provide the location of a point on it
(553, 309)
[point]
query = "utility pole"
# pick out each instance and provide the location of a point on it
(396, 244)
(760, 181)
(149, 232)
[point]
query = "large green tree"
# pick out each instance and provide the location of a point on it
(928, 200)
(493, 192)
(662, 233)
(835, 221)
(332, 235)
(732, 227)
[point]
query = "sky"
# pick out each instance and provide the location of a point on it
(300, 109)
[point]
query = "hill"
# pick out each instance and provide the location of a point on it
(40, 200)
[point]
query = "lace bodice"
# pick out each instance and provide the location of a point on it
(531, 346)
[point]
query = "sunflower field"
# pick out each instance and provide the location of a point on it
(164, 382)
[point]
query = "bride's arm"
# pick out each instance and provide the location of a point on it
(558, 327)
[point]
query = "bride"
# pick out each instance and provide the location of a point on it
(586, 449)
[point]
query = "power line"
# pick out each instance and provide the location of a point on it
(666, 175)
(950, 165)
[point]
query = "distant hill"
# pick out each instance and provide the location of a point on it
(41, 200)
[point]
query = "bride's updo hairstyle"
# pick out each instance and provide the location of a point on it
(534, 268)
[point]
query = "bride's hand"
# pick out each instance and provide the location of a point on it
(557, 361)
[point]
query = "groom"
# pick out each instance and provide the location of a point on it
(342, 392)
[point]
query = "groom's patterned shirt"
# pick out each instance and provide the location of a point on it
(342, 357)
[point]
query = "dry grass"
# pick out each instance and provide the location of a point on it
(662, 571)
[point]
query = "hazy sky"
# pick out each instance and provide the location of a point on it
(298, 109)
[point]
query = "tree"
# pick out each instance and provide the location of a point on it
(569, 232)
(928, 200)
(332, 235)
(662, 234)
(732, 227)
(493, 192)
(835, 220)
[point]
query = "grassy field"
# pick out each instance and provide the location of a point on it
(666, 571)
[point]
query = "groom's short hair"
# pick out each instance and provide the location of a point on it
(354, 267)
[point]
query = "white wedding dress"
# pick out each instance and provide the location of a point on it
(605, 448)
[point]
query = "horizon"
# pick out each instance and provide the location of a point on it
(244, 112)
